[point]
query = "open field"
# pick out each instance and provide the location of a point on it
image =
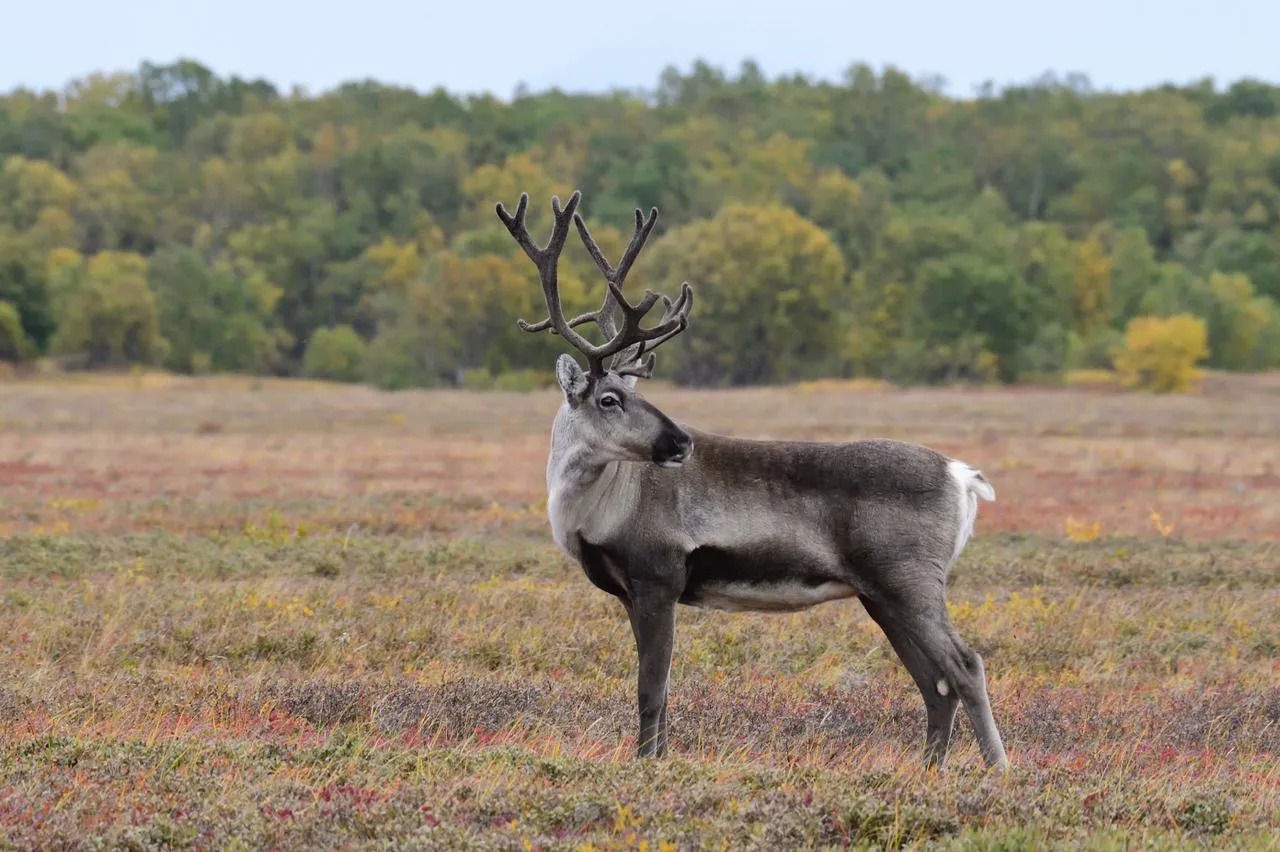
(243, 614)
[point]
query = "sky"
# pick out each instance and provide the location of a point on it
(494, 45)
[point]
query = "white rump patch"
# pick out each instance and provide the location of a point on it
(943, 688)
(971, 486)
(776, 597)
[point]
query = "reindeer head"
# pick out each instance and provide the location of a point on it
(602, 407)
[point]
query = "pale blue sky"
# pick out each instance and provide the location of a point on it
(579, 45)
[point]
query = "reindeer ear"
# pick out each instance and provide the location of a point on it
(571, 378)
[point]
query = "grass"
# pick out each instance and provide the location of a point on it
(252, 615)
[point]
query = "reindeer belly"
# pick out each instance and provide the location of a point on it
(783, 596)
(761, 580)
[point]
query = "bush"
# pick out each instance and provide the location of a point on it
(932, 363)
(1094, 351)
(1089, 378)
(404, 355)
(1046, 356)
(1160, 353)
(508, 380)
(390, 366)
(334, 353)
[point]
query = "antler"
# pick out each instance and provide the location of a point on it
(675, 318)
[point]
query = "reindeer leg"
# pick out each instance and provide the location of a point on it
(929, 628)
(653, 621)
(971, 681)
(662, 722)
(940, 708)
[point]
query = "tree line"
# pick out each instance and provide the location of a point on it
(867, 227)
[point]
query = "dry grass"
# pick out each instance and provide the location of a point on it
(243, 614)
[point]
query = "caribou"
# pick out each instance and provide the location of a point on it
(659, 514)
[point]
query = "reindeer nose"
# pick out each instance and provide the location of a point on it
(672, 449)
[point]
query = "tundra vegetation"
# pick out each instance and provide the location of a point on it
(251, 613)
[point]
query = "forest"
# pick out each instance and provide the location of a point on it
(870, 227)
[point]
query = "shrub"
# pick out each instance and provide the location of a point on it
(1089, 379)
(334, 353)
(941, 363)
(507, 380)
(524, 380)
(1093, 351)
(1160, 353)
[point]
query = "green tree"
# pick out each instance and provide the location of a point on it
(14, 345)
(215, 315)
(1045, 259)
(294, 254)
(853, 212)
(24, 285)
(1135, 271)
(459, 314)
(113, 209)
(1236, 319)
(969, 302)
(938, 285)
(1255, 254)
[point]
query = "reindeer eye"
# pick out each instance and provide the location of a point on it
(609, 400)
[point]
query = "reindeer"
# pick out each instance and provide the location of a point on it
(659, 514)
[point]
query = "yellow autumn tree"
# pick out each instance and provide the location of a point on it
(29, 187)
(396, 265)
(113, 208)
(1091, 285)
(771, 168)
(1160, 353)
(519, 173)
(108, 311)
(767, 281)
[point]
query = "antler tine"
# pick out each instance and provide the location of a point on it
(546, 260)
(615, 278)
(603, 316)
(674, 320)
(643, 227)
(515, 224)
(678, 316)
